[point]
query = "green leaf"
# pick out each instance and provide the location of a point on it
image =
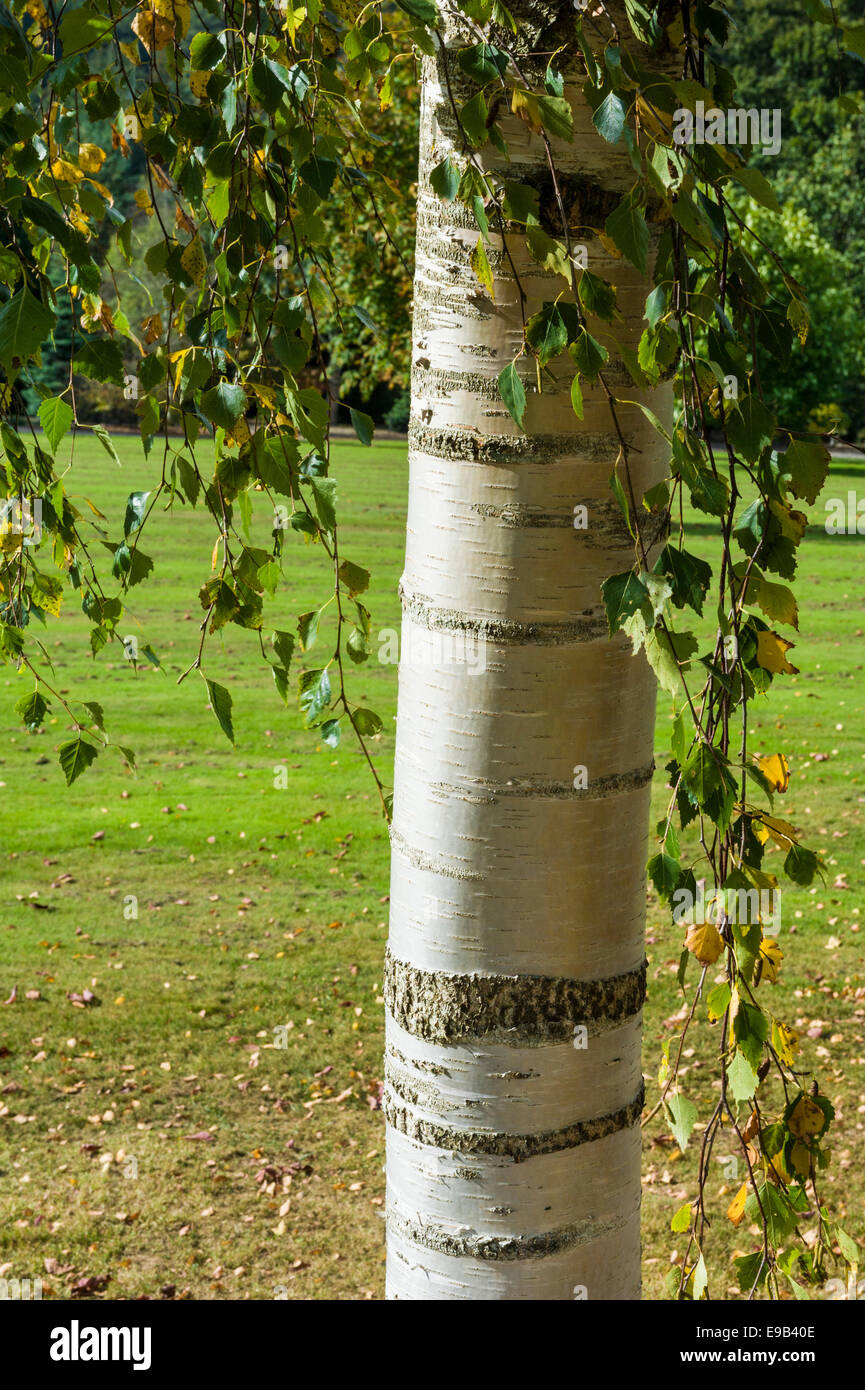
(588, 354)
(355, 579)
(513, 393)
(324, 492)
(25, 323)
(423, 10)
(682, 1219)
(700, 1280)
(445, 180)
(623, 594)
(55, 417)
(75, 756)
(664, 653)
(742, 1079)
(609, 118)
(485, 63)
(664, 872)
(366, 722)
(805, 466)
(718, 1001)
(283, 645)
(597, 296)
(681, 1114)
(701, 774)
(473, 119)
(32, 709)
(80, 29)
(100, 359)
(307, 627)
(224, 404)
(627, 227)
(546, 333)
(801, 865)
(689, 575)
(751, 1270)
(314, 693)
(556, 116)
(136, 508)
(759, 188)
(330, 733)
(107, 443)
(577, 396)
(220, 700)
(364, 427)
(751, 428)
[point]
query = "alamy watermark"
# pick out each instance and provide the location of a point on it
(737, 126)
(21, 516)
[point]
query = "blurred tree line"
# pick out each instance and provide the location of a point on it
(780, 59)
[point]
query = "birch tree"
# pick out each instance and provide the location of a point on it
(582, 265)
(515, 972)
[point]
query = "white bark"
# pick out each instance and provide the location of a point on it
(517, 900)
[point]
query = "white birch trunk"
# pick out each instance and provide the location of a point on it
(517, 899)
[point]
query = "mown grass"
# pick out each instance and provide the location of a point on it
(259, 906)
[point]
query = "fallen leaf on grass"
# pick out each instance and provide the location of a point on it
(88, 1284)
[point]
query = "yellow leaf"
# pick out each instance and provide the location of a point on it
(776, 771)
(176, 11)
(142, 198)
(703, 940)
(800, 1159)
(65, 172)
(193, 261)
(681, 1219)
(481, 267)
(781, 831)
(785, 1041)
(152, 29)
(771, 956)
(37, 11)
(198, 84)
(771, 656)
(91, 158)
(152, 327)
(524, 105)
(806, 1118)
(736, 1209)
(239, 433)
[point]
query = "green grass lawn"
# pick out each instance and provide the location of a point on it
(158, 1137)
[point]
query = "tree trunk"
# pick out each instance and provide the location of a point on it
(515, 972)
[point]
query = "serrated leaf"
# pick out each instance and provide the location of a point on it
(25, 323)
(31, 709)
(220, 700)
(681, 1219)
(481, 266)
(55, 417)
(609, 117)
(805, 466)
(623, 595)
(224, 404)
(742, 1079)
(314, 693)
(513, 393)
(75, 756)
(703, 940)
(628, 229)
(681, 1114)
